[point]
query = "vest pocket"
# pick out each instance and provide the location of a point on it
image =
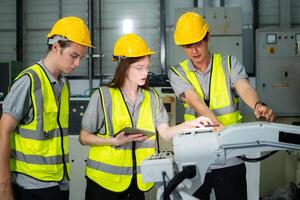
(64, 120)
(219, 100)
(39, 161)
(111, 164)
(50, 121)
(47, 169)
(230, 118)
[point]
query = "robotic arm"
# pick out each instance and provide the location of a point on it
(195, 150)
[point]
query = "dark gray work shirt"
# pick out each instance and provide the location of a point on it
(18, 104)
(93, 117)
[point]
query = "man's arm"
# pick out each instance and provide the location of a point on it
(190, 97)
(7, 125)
(250, 97)
(187, 94)
(168, 132)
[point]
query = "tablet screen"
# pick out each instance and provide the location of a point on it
(129, 130)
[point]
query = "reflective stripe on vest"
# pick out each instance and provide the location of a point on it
(39, 148)
(222, 101)
(110, 166)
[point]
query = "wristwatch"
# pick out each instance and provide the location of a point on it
(259, 102)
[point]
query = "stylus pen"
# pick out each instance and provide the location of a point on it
(212, 125)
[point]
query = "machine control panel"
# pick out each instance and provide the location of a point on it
(278, 42)
(151, 167)
(277, 67)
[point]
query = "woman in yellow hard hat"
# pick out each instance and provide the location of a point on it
(113, 165)
(35, 118)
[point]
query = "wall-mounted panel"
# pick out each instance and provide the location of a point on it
(268, 11)
(171, 6)
(278, 72)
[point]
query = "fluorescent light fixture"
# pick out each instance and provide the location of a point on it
(127, 26)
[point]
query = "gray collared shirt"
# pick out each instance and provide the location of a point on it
(93, 117)
(18, 104)
(237, 72)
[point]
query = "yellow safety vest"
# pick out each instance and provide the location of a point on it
(39, 148)
(112, 167)
(222, 101)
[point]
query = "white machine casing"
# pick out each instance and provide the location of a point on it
(203, 148)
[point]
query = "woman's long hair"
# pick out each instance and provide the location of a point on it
(121, 72)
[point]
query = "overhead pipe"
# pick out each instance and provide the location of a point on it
(19, 30)
(163, 35)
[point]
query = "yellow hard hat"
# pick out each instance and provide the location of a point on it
(190, 28)
(73, 29)
(131, 46)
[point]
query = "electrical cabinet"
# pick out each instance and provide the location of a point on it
(278, 69)
(77, 108)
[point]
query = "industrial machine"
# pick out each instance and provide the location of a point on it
(178, 175)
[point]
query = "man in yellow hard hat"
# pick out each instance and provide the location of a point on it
(209, 84)
(34, 155)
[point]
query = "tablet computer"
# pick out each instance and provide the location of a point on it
(129, 130)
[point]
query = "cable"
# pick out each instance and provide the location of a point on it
(89, 91)
(244, 158)
(164, 174)
(157, 141)
(187, 172)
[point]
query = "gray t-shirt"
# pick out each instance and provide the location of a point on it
(18, 104)
(237, 72)
(93, 118)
